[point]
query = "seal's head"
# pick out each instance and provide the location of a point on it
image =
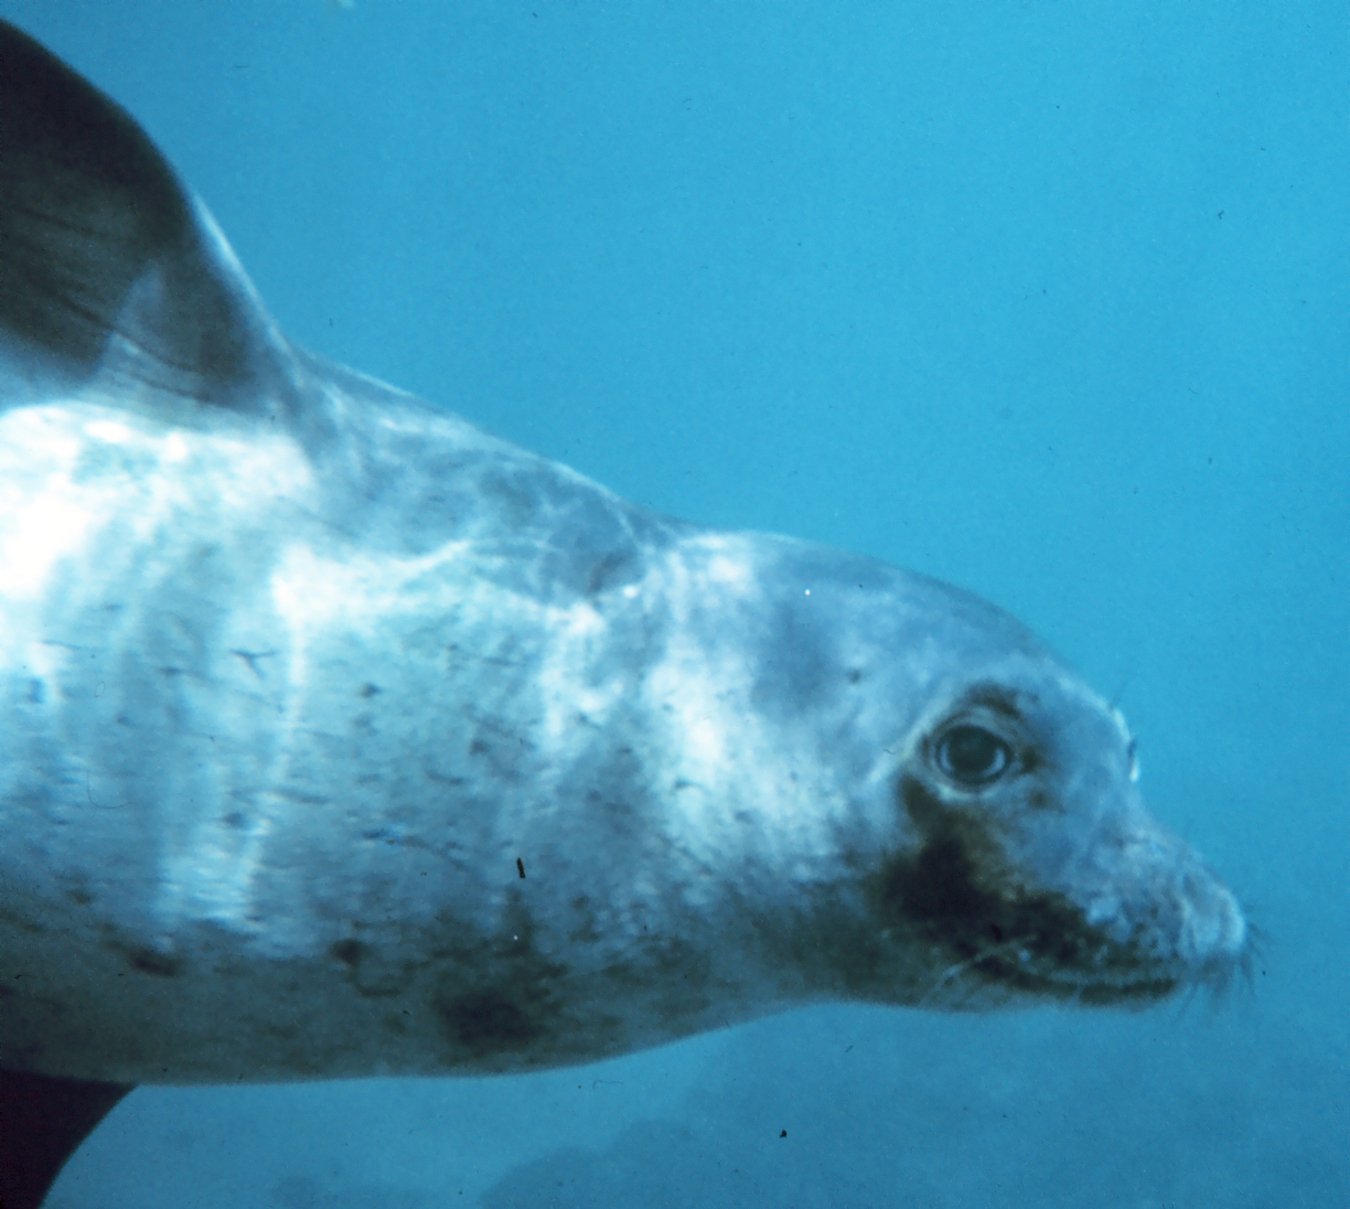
(1031, 866)
(910, 798)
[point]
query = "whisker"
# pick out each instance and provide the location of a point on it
(958, 968)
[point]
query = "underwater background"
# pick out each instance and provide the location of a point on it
(1050, 300)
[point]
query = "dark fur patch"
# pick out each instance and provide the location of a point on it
(957, 892)
(152, 961)
(488, 1023)
(349, 951)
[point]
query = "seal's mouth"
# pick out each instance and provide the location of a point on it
(1015, 970)
(1039, 947)
(1062, 959)
(1110, 974)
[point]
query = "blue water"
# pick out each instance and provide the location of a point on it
(1049, 300)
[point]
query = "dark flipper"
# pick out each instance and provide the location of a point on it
(42, 1121)
(109, 270)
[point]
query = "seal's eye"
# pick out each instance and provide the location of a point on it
(972, 755)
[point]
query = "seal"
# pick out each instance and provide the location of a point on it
(340, 738)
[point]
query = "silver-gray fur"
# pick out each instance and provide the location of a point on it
(340, 738)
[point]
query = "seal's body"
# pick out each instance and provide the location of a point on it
(340, 738)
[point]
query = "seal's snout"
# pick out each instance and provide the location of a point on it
(1177, 916)
(1212, 936)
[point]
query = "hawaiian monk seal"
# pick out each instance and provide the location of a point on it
(340, 738)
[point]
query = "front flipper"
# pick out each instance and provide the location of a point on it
(42, 1121)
